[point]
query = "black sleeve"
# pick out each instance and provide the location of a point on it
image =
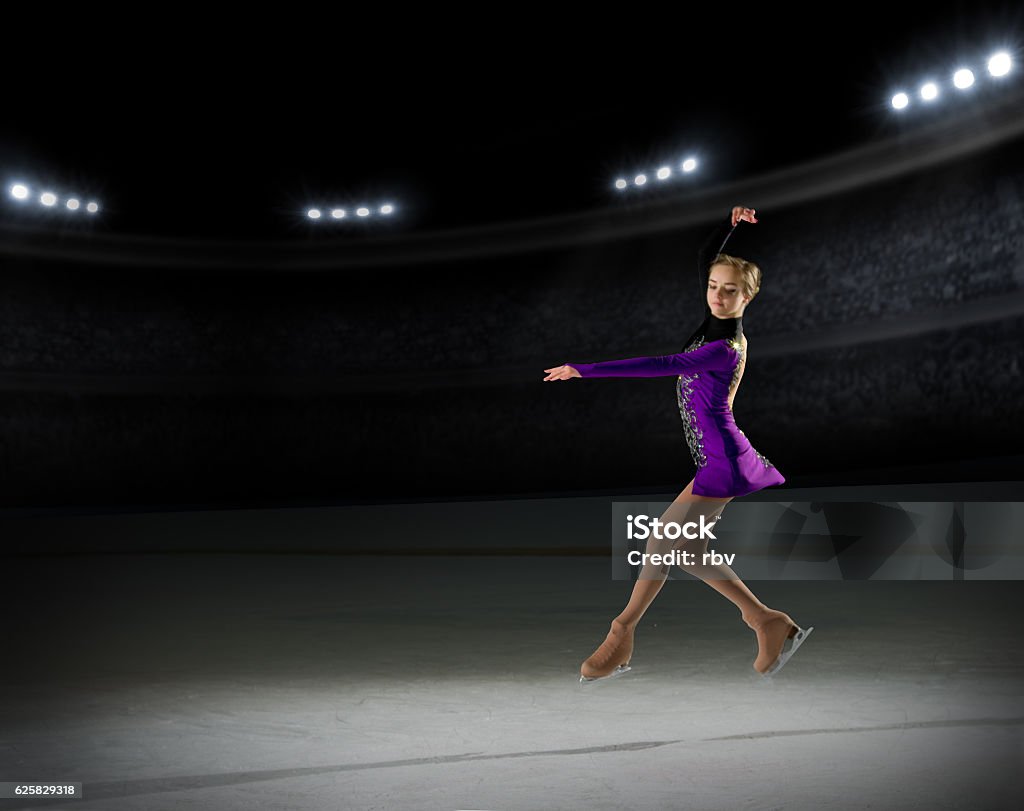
(712, 247)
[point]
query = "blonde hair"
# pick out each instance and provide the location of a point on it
(750, 272)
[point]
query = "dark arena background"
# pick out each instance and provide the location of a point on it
(290, 518)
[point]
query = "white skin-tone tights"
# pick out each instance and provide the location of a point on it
(688, 507)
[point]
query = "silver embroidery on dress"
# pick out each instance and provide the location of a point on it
(691, 429)
(738, 346)
(684, 396)
(764, 461)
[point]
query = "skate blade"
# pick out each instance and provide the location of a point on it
(790, 647)
(617, 672)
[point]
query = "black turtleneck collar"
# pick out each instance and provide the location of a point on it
(717, 328)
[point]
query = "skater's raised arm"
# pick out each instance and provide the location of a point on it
(720, 355)
(713, 246)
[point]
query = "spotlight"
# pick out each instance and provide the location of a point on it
(640, 180)
(313, 214)
(900, 100)
(963, 78)
(620, 183)
(664, 172)
(999, 64)
(387, 208)
(338, 213)
(72, 204)
(19, 191)
(362, 211)
(689, 165)
(929, 91)
(92, 208)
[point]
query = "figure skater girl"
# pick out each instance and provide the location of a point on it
(709, 371)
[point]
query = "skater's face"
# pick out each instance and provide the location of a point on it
(725, 292)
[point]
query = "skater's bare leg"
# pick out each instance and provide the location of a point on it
(686, 507)
(618, 645)
(725, 581)
(772, 627)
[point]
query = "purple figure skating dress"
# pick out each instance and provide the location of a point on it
(707, 369)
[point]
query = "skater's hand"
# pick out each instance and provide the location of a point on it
(561, 373)
(741, 213)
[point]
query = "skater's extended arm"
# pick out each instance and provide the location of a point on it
(717, 355)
